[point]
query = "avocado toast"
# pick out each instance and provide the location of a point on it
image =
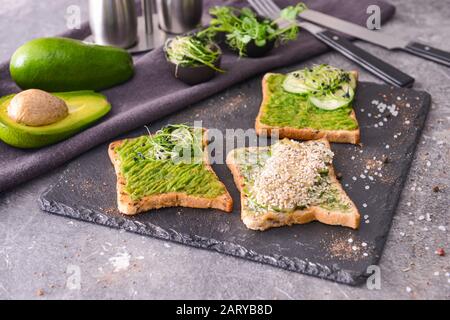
(167, 169)
(310, 104)
(290, 183)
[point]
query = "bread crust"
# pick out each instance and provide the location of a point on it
(339, 136)
(128, 206)
(270, 219)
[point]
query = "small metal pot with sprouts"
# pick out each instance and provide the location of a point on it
(193, 60)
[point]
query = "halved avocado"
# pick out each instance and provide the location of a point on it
(85, 107)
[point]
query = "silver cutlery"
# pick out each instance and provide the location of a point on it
(378, 38)
(378, 67)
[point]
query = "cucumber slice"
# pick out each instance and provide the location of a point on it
(353, 81)
(327, 103)
(340, 98)
(295, 83)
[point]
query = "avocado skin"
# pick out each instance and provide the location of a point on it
(85, 108)
(62, 64)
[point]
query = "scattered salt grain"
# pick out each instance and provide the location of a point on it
(442, 228)
(411, 223)
(407, 122)
(362, 176)
(354, 248)
(365, 254)
(350, 240)
(421, 217)
(354, 178)
(366, 217)
(428, 164)
(364, 244)
(367, 221)
(436, 273)
(408, 289)
(402, 234)
(367, 187)
(387, 146)
(365, 205)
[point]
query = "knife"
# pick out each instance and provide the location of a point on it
(378, 38)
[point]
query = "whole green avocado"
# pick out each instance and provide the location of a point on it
(62, 64)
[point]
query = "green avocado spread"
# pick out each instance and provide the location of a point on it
(285, 109)
(323, 193)
(150, 167)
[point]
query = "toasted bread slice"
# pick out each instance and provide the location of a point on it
(270, 219)
(128, 206)
(341, 136)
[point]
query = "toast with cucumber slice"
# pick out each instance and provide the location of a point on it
(310, 104)
(290, 183)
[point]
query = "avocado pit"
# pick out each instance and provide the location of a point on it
(36, 108)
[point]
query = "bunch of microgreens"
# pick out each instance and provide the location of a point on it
(178, 143)
(190, 51)
(323, 77)
(243, 26)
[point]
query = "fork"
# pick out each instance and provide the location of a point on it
(379, 68)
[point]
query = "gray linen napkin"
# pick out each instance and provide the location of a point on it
(153, 92)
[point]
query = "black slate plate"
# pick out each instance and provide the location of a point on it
(86, 190)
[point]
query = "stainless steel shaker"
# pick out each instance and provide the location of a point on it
(179, 16)
(113, 22)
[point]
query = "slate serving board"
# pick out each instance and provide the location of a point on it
(372, 174)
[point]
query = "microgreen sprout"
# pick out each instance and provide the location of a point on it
(191, 51)
(242, 26)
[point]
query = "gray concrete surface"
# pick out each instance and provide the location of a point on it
(42, 256)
